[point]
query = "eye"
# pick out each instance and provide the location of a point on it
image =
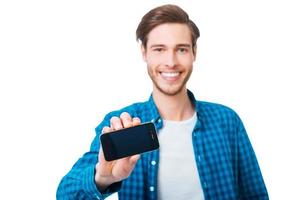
(158, 49)
(182, 50)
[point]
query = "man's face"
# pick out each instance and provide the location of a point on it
(169, 56)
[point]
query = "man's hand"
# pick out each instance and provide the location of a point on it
(109, 172)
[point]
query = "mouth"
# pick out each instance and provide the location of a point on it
(170, 76)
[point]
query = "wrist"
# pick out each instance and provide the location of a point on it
(102, 182)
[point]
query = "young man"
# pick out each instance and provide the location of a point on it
(204, 150)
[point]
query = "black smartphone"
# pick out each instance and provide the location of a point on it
(129, 141)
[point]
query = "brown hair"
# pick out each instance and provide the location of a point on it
(161, 15)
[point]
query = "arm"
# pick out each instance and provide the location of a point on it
(90, 179)
(251, 183)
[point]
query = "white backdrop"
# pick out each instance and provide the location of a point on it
(65, 64)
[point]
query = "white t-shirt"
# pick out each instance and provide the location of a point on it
(177, 172)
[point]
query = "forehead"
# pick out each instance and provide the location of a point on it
(170, 34)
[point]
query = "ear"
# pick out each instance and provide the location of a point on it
(143, 50)
(195, 51)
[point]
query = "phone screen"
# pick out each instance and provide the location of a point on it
(129, 141)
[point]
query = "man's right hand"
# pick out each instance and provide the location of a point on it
(109, 172)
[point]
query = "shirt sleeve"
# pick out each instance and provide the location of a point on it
(79, 182)
(251, 183)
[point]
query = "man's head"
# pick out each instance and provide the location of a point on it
(162, 15)
(168, 46)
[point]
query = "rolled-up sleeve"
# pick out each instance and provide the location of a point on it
(79, 182)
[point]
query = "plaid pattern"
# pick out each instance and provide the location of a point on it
(225, 159)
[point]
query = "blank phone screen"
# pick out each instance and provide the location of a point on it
(129, 141)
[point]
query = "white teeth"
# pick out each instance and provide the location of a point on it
(170, 74)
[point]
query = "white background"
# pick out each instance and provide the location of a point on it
(65, 64)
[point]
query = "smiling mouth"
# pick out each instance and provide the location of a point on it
(170, 76)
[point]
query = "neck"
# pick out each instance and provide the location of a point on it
(173, 107)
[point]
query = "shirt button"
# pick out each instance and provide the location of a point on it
(159, 120)
(152, 120)
(153, 162)
(205, 185)
(151, 188)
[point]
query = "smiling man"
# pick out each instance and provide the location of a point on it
(204, 153)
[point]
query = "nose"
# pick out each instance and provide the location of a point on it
(170, 60)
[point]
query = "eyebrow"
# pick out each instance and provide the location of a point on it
(162, 45)
(183, 45)
(157, 45)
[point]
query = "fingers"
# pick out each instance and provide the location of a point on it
(136, 121)
(115, 123)
(106, 129)
(134, 159)
(126, 120)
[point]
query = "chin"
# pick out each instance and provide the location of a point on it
(170, 91)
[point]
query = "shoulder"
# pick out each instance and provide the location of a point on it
(216, 112)
(210, 107)
(220, 121)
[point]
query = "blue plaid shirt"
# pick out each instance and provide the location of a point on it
(223, 153)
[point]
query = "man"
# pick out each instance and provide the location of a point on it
(204, 150)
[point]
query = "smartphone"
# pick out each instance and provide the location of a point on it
(129, 141)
